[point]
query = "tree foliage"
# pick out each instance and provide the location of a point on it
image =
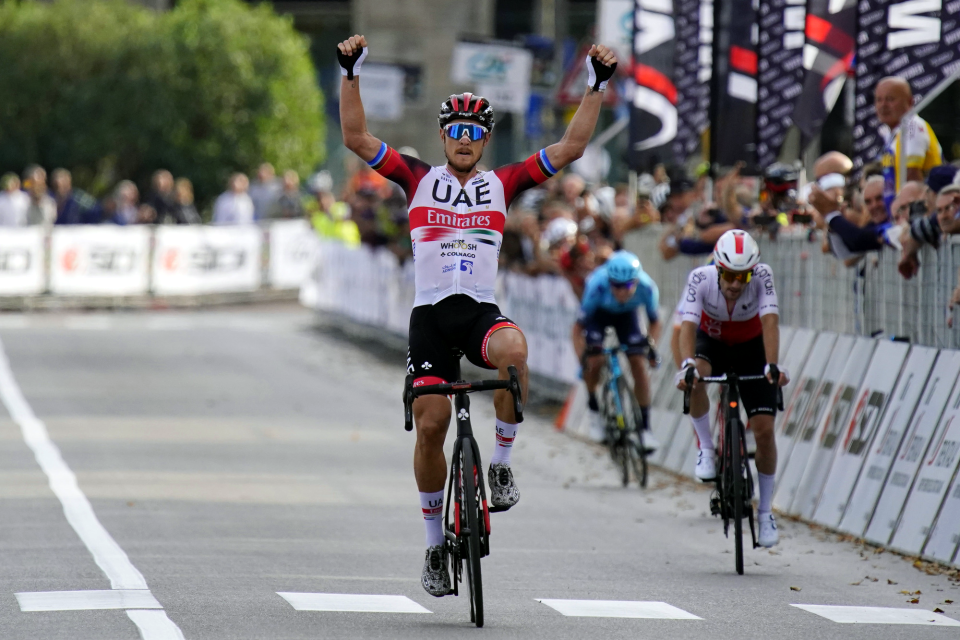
(111, 91)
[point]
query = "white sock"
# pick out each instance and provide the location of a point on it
(766, 492)
(506, 434)
(702, 426)
(432, 506)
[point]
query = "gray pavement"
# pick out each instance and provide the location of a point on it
(234, 454)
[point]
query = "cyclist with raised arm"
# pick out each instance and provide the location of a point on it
(613, 295)
(731, 323)
(457, 214)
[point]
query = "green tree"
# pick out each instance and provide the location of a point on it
(112, 91)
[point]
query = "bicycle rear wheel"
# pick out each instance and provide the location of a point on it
(471, 541)
(736, 488)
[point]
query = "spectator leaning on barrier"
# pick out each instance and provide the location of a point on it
(893, 98)
(945, 220)
(186, 211)
(330, 218)
(162, 199)
(692, 228)
(43, 208)
(14, 203)
(265, 191)
(122, 207)
(234, 205)
(73, 205)
(290, 203)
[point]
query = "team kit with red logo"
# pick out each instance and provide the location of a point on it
(456, 233)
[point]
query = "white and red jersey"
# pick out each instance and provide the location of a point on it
(721, 319)
(457, 230)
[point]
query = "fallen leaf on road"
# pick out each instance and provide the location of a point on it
(906, 593)
(794, 588)
(889, 581)
(948, 602)
(871, 579)
(938, 610)
(857, 583)
(914, 601)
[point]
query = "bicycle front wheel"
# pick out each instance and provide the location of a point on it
(638, 452)
(736, 487)
(471, 508)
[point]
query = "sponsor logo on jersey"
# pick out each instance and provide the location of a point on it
(466, 265)
(458, 244)
(457, 254)
(444, 219)
(447, 268)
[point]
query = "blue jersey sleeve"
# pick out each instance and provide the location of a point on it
(652, 301)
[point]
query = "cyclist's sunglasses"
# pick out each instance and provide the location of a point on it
(730, 276)
(457, 129)
(624, 285)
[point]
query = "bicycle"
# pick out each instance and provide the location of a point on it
(733, 498)
(622, 418)
(468, 535)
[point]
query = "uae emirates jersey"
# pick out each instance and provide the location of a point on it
(457, 230)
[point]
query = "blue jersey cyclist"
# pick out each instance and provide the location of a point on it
(612, 297)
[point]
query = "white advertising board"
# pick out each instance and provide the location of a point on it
(293, 251)
(814, 407)
(857, 437)
(903, 401)
(382, 91)
(191, 259)
(665, 427)
(805, 374)
(945, 534)
(928, 415)
(930, 486)
(103, 260)
(22, 271)
(830, 428)
(503, 68)
(615, 26)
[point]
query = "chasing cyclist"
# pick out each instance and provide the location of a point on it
(457, 215)
(613, 295)
(731, 322)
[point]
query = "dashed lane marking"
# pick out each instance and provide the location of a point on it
(361, 603)
(87, 600)
(618, 609)
(878, 615)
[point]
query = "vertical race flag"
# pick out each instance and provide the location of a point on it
(780, 72)
(827, 55)
(653, 117)
(918, 40)
(734, 126)
(693, 70)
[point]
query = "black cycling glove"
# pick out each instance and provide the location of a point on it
(598, 74)
(350, 65)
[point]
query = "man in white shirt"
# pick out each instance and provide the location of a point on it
(13, 202)
(234, 206)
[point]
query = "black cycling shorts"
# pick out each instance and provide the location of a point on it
(745, 359)
(626, 324)
(456, 322)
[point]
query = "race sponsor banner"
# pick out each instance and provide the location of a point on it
(499, 67)
(857, 437)
(293, 248)
(693, 68)
(666, 425)
(653, 116)
(102, 260)
(828, 52)
(927, 419)
(816, 407)
(22, 261)
(831, 427)
(918, 40)
(192, 260)
(779, 72)
(912, 386)
(734, 132)
(930, 486)
(615, 27)
(945, 534)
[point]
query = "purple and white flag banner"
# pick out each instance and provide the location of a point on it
(779, 72)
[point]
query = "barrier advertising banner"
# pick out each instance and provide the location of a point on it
(192, 259)
(734, 131)
(929, 414)
(831, 427)
(903, 401)
(293, 248)
(21, 261)
(857, 437)
(945, 534)
(653, 116)
(779, 72)
(930, 486)
(794, 358)
(693, 68)
(806, 427)
(99, 260)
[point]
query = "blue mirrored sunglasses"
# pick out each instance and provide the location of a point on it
(623, 285)
(457, 129)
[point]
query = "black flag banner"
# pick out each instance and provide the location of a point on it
(918, 40)
(693, 68)
(779, 72)
(653, 116)
(827, 55)
(734, 135)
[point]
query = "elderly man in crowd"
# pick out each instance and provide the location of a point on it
(234, 205)
(893, 98)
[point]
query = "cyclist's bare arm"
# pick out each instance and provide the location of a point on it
(771, 341)
(352, 119)
(581, 128)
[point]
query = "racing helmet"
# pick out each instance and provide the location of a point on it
(623, 267)
(780, 178)
(466, 106)
(560, 230)
(736, 251)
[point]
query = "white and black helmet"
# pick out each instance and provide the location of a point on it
(736, 251)
(466, 106)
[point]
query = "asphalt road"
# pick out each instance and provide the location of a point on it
(236, 454)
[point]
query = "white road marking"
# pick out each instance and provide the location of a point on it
(351, 602)
(87, 600)
(879, 615)
(618, 609)
(155, 625)
(79, 513)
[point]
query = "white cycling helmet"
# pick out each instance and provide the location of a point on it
(736, 251)
(560, 230)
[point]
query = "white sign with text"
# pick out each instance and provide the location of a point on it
(99, 260)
